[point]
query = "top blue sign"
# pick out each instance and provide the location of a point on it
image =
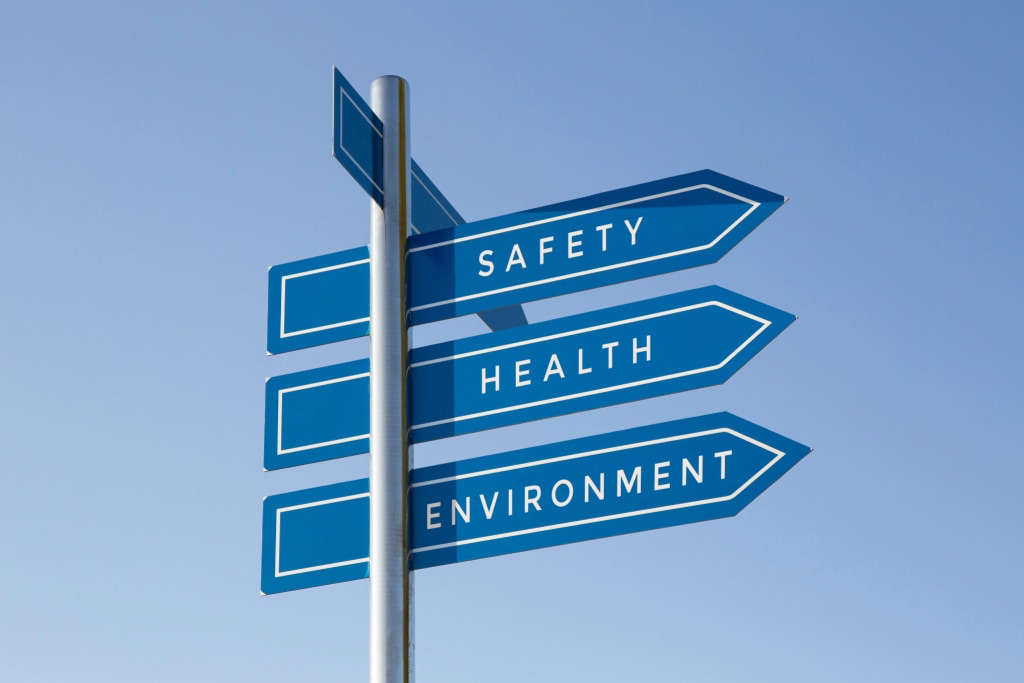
(358, 146)
(658, 227)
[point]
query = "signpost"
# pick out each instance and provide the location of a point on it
(640, 350)
(427, 265)
(634, 480)
(358, 146)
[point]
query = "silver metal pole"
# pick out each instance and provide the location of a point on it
(390, 587)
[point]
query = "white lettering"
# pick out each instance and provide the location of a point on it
(583, 370)
(554, 365)
(484, 262)
(529, 500)
(659, 475)
(488, 511)
(515, 257)
(723, 455)
(462, 513)
(588, 486)
(603, 229)
(575, 243)
(609, 346)
(484, 379)
(645, 349)
(634, 479)
(554, 493)
(521, 372)
(632, 230)
(698, 474)
(543, 241)
(510, 502)
(431, 516)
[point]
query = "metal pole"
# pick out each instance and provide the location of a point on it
(390, 588)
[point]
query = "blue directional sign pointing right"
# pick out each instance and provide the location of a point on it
(489, 267)
(640, 350)
(633, 480)
(635, 232)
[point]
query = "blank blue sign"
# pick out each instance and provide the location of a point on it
(317, 415)
(318, 300)
(628, 481)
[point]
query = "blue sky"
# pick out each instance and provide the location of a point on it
(155, 160)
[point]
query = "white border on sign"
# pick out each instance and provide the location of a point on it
(280, 411)
(341, 139)
(277, 541)
(437, 201)
(309, 330)
(604, 518)
(753, 207)
(765, 324)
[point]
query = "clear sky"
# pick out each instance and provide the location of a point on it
(156, 158)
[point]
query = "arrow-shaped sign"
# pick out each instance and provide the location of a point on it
(671, 224)
(640, 350)
(658, 227)
(623, 482)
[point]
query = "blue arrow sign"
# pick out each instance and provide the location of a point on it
(490, 267)
(639, 479)
(658, 227)
(640, 350)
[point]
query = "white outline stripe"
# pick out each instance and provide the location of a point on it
(593, 328)
(277, 541)
(622, 515)
(753, 207)
(423, 184)
(341, 139)
(551, 527)
(765, 324)
(280, 415)
(316, 271)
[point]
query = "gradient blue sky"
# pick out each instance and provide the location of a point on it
(156, 159)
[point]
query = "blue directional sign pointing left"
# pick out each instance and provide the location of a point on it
(318, 301)
(317, 415)
(649, 348)
(623, 482)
